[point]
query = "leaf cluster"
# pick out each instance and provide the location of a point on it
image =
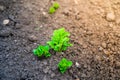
(54, 7)
(64, 64)
(42, 51)
(60, 40)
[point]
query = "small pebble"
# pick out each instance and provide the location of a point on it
(45, 62)
(106, 52)
(100, 48)
(84, 45)
(98, 57)
(2, 8)
(52, 75)
(77, 64)
(32, 38)
(6, 21)
(111, 25)
(66, 12)
(85, 65)
(44, 13)
(62, 53)
(110, 16)
(104, 45)
(46, 70)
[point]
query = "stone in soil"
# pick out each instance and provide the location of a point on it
(45, 70)
(98, 57)
(110, 16)
(104, 45)
(2, 8)
(52, 75)
(66, 12)
(84, 45)
(77, 17)
(45, 63)
(100, 48)
(106, 52)
(32, 38)
(6, 21)
(77, 64)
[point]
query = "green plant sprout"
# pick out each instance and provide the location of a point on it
(60, 40)
(52, 10)
(54, 7)
(64, 64)
(42, 51)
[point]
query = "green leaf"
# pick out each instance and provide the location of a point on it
(46, 48)
(56, 5)
(42, 51)
(35, 52)
(48, 55)
(70, 63)
(59, 40)
(64, 64)
(52, 10)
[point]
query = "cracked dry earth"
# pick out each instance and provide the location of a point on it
(95, 33)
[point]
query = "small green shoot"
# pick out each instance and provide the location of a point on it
(60, 40)
(54, 7)
(42, 51)
(64, 64)
(52, 10)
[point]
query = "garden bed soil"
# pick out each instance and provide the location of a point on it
(94, 26)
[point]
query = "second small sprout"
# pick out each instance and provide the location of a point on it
(54, 7)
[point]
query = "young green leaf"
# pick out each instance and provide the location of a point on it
(60, 40)
(64, 64)
(42, 51)
(52, 10)
(56, 5)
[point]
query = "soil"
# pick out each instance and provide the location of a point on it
(95, 33)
